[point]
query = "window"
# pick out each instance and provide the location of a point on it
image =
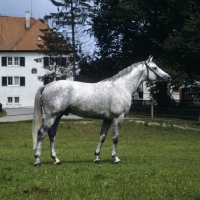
(10, 80)
(51, 63)
(16, 80)
(10, 99)
(61, 61)
(16, 99)
(12, 61)
(16, 61)
(13, 81)
(9, 60)
(39, 38)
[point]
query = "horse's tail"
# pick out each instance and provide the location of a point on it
(37, 116)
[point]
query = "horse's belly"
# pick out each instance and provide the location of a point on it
(91, 111)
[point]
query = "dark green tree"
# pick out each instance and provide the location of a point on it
(130, 31)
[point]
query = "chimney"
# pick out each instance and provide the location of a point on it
(27, 19)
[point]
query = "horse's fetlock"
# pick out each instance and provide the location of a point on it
(36, 156)
(97, 153)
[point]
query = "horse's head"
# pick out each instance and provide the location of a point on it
(153, 72)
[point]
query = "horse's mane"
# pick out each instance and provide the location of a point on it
(121, 73)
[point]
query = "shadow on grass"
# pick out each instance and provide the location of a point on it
(65, 162)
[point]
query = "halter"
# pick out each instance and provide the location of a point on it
(149, 68)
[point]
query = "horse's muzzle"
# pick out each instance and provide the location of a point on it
(166, 79)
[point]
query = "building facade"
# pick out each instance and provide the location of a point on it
(19, 71)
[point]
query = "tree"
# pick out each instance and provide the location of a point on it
(56, 62)
(71, 13)
(183, 51)
(130, 30)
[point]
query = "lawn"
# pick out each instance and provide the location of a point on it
(160, 160)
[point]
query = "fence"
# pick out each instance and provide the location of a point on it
(189, 110)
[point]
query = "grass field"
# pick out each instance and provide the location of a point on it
(159, 161)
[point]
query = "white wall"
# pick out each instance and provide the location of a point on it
(146, 95)
(25, 93)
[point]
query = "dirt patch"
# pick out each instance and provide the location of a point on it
(184, 127)
(153, 124)
(39, 191)
(162, 124)
(165, 125)
(140, 122)
(83, 122)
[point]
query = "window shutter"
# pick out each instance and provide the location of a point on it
(58, 61)
(22, 61)
(22, 81)
(63, 62)
(46, 61)
(4, 80)
(3, 61)
(46, 80)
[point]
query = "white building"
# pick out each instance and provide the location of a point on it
(144, 92)
(19, 71)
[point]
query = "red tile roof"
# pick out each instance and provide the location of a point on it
(15, 36)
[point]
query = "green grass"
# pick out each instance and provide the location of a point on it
(158, 162)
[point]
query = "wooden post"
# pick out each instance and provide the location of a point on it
(152, 112)
(199, 117)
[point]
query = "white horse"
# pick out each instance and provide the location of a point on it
(109, 100)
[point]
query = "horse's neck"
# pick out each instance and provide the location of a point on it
(134, 79)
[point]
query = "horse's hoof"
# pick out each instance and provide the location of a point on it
(37, 164)
(97, 161)
(118, 162)
(57, 163)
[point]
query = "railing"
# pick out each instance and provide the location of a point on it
(172, 103)
(180, 109)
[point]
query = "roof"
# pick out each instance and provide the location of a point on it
(14, 36)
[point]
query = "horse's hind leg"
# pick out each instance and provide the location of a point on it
(52, 138)
(104, 129)
(48, 122)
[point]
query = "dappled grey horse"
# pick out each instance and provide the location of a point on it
(109, 100)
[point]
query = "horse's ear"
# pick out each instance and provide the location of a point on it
(150, 59)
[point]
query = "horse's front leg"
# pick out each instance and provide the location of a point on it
(115, 137)
(41, 136)
(104, 129)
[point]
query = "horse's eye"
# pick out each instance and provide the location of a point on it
(154, 68)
